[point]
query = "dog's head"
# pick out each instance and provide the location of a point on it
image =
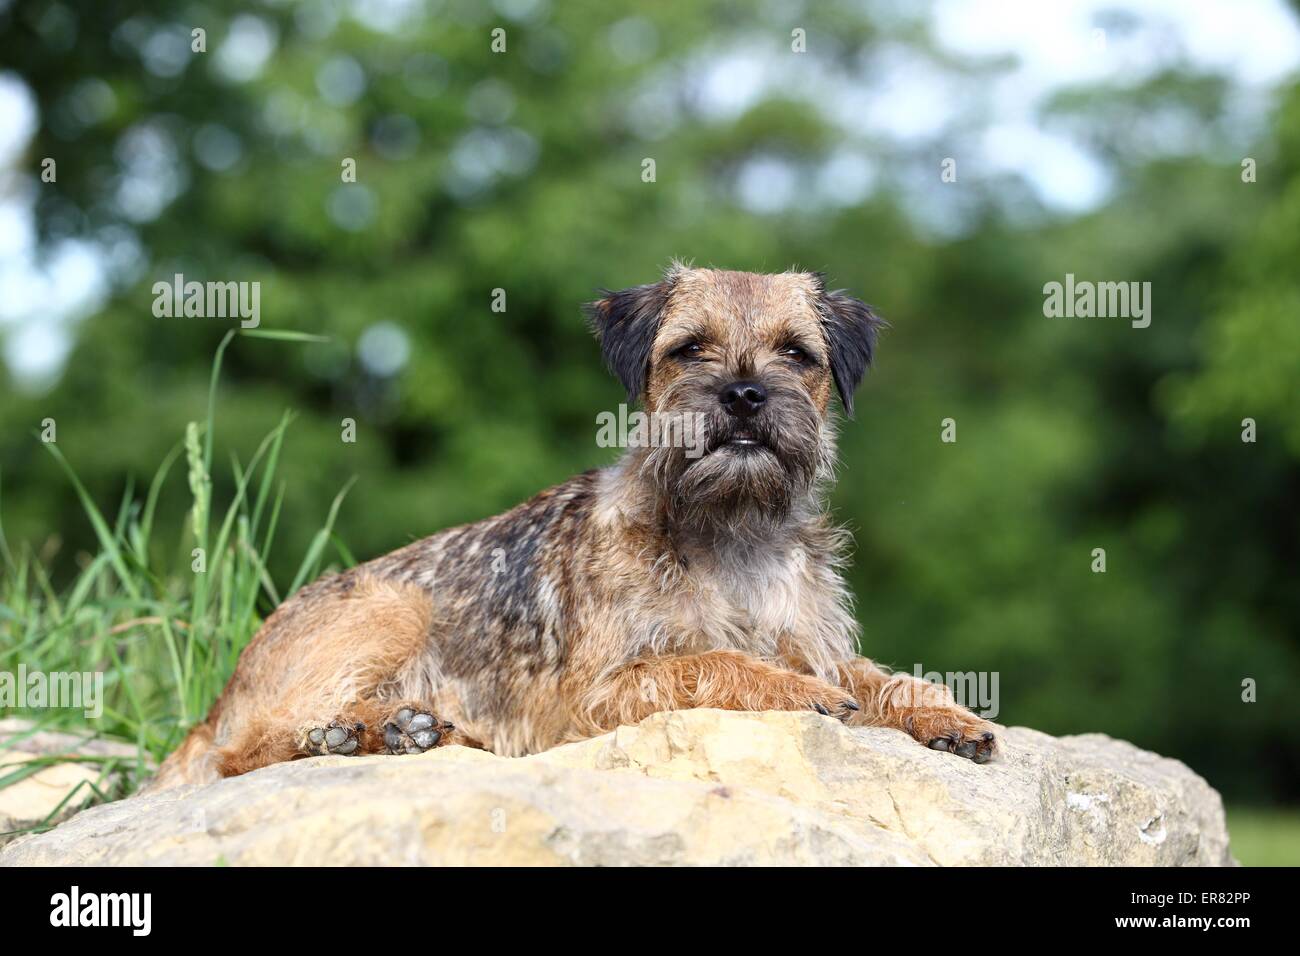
(753, 359)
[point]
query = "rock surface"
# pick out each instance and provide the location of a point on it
(692, 787)
(55, 791)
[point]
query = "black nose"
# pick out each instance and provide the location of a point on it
(743, 399)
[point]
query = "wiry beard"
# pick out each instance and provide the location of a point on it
(735, 488)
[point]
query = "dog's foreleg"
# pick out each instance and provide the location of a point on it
(728, 680)
(925, 710)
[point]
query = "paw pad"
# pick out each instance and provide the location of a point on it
(413, 732)
(334, 738)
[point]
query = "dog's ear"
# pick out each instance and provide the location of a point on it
(851, 328)
(625, 323)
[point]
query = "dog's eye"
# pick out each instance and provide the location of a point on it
(794, 353)
(690, 350)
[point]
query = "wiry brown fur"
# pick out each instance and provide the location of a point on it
(665, 581)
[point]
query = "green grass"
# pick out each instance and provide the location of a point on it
(166, 638)
(1265, 836)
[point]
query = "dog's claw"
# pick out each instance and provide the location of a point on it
(980, 749)
(839, 708)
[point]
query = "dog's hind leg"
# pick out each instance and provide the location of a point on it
(367, 726)
(319, 664)
(376, 727)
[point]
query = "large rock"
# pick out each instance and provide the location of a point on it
(692, 787)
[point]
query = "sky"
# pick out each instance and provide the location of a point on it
(43, 293)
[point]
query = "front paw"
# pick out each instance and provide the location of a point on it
(955, 730)
(827, 699)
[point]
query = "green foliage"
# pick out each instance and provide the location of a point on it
(165, 637)
(1072, 435)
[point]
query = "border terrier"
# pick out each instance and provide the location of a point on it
(666, 581)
